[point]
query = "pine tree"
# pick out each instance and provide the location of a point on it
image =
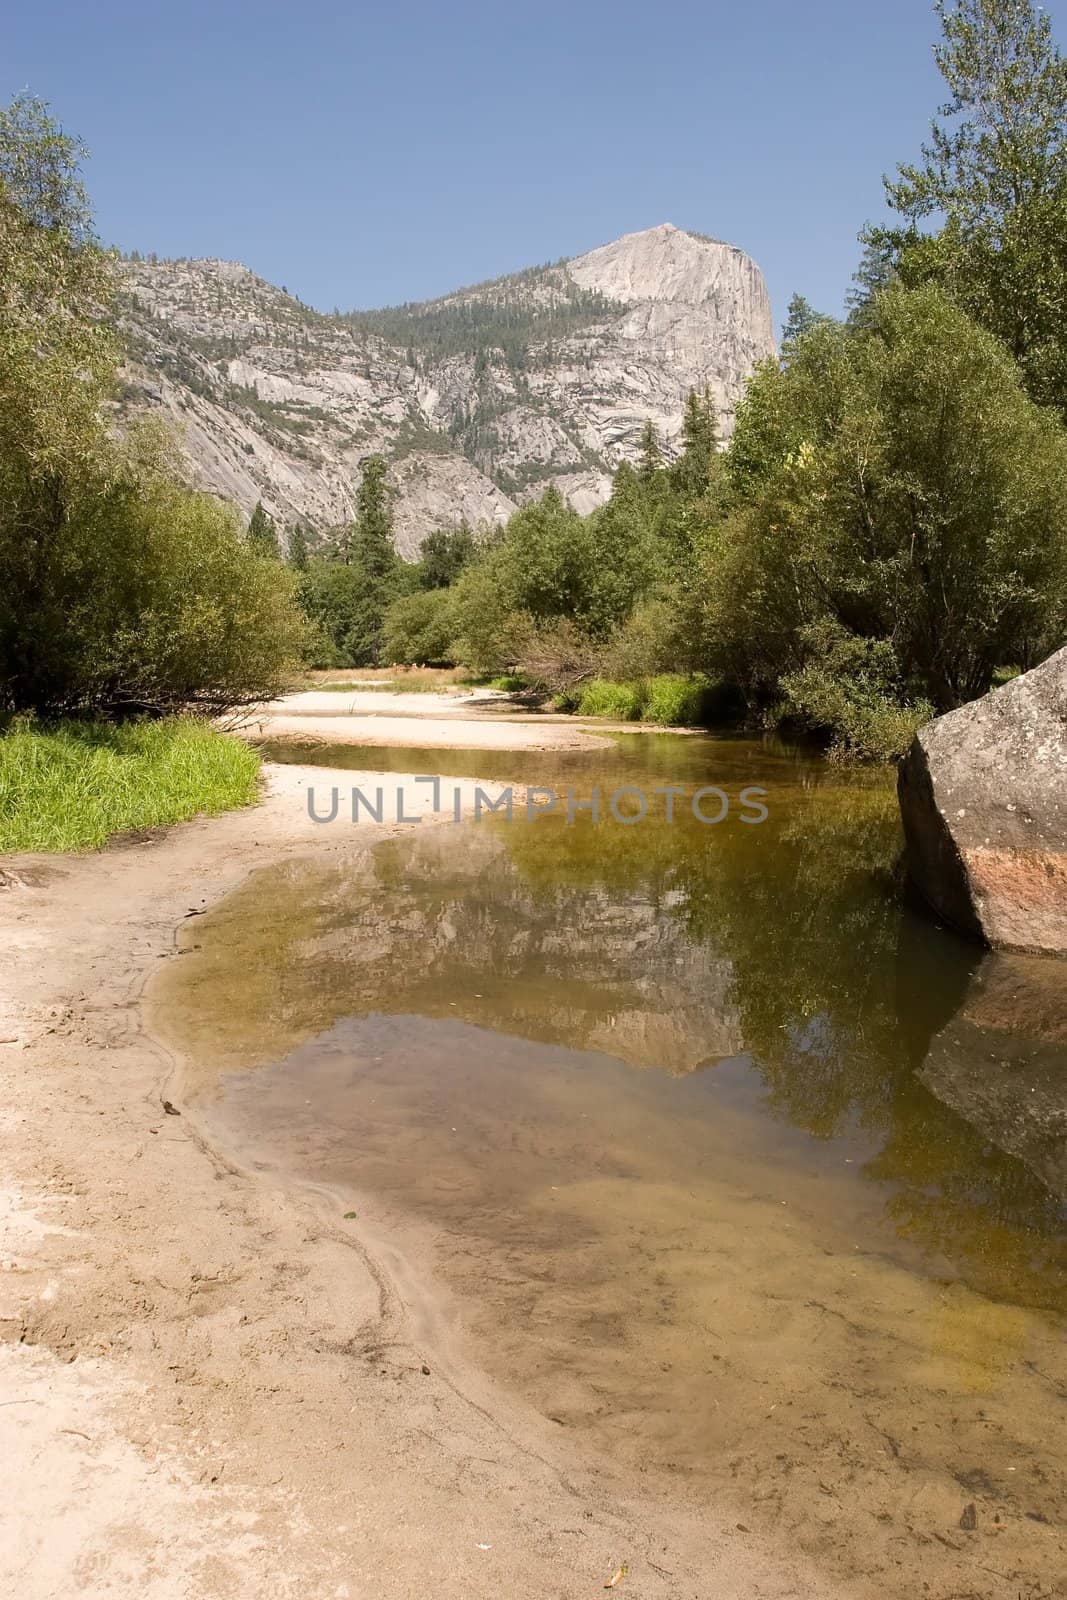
(262, 534)
(993, 180)
(692, 472)
(298, 549)
(373, 543)
(366, 547)
(801, 317)
(650, 460)
(874, 273)
(626, 485)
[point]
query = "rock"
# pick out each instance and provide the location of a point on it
(983, 799)
(276, 402)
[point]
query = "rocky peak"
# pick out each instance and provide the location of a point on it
(666, 263)
(479, 400)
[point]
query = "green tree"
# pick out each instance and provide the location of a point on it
(40, 174)
(545, 561)
(57, 351)
(692, 473)
(626, 549)
(488, 620)
(149, 601)
(874, 273)
(444, 554)
(650, 460)
(299, 555)
(894, 485)
(994, 180)
(549, 566)
(332, 595)
(372, 544)
(262, 533)
(346, 594)
(119, 590)
(801, 317)
(418, 629)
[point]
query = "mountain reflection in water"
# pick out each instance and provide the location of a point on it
(789, 948)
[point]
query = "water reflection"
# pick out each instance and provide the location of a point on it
(790, 945)
(1001, 1062)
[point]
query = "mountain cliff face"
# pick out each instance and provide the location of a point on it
(479, 399)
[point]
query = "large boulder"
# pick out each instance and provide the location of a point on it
(983, 798)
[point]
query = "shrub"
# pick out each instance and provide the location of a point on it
(851, 692)
(669, 698)
(860, 728)
(555, 657)
(647, 642)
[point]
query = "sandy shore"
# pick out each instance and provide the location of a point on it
(474, 719)
(459, 705)
(429, 733)
(211, 1386)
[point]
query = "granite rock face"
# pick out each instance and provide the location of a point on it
(983, 799)
(275, 401)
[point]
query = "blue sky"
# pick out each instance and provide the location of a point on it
(364, 154)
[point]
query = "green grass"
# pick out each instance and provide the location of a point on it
(676, 700)
(667, 698)
(621, 702)
(73, 785)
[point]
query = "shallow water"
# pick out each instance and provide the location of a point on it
(734, 1162)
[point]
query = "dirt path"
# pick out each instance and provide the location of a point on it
(210, 1388)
